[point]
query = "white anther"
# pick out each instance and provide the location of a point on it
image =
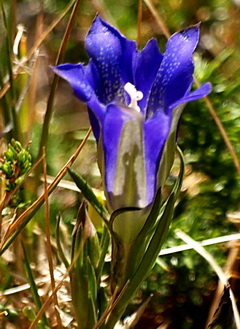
(134, 94)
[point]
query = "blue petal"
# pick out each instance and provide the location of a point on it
(148, 61)
(201, 92)
(75, 76)
(124, 162)
(85, 82)
(174, 77)
(92, 76)
(113, 56)
(97, 112)
(156, 131)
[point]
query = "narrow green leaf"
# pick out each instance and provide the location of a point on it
(151, 220)
(155, 215)
(127, 251)
(83, 277)
(84, 292)
(145, 265)
(92, 287)
(93, 246)
(33, 286)
(177, 186)
(29, 313)
(79, 289)
(102, 301)
(92, 318)
(59, 245)
(89, 194)
(104, 245)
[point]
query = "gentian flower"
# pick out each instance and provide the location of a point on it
(132, 96)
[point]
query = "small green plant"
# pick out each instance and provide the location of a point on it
(14, 166)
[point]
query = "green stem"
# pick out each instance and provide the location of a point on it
(6, 114)
(33, 287)
(144, 267)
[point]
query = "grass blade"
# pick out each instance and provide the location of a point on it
(89, 194)
(33, 286)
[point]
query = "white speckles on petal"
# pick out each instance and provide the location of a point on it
(174, 76)
(112, 55)
(105, 49)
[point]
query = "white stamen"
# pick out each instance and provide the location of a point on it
(135, 96)
(20, 31)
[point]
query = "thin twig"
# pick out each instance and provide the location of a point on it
(50, 28)
(48, 244)
(5, 89)
(158, 18)
(222, 132)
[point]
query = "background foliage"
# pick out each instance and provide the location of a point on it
(182, 284)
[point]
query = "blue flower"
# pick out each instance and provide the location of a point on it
(133, 99)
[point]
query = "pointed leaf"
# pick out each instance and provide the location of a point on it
(79, 292)
(59, 245)
(146, 264)
(89, 194)
(104, 245)
(33, 287)
(92, 282)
